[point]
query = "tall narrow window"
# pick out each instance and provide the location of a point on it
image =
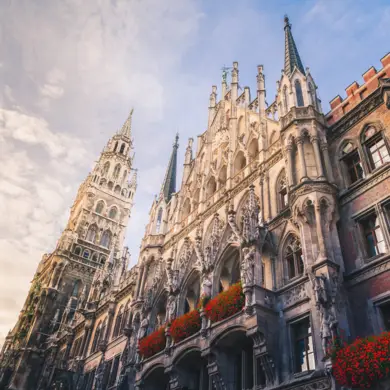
(122, 149)
(91, 234)
(118, 323)
(293, 258)
(376, 148)
(96, 338)
(76, 288)
(159, 219)
(385, 312)
(106, 239)
(282, 191)
(285, 99)
(298, 93)
(116, 171)
(113, 212)
(116, 145)
(303, 346)
(106, 168)
(352, 163)
(373, 235)
(99, 207)
(114, 371)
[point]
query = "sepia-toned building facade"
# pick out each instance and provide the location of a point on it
(293, 203)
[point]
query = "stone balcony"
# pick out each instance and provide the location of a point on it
(307, 113)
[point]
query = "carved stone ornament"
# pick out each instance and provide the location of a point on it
(247, 265)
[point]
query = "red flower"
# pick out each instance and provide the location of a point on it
(225, 304)
(153, 343)
(362, 363)
(185, 326)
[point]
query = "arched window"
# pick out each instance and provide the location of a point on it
(124, 192)
(376, 147)
(159, 219)
(91, 234)
(282, 191)
(95, 257)
(186, 210)
(86, 254)
(96, 338)
(222, 176)
(116, 145)
(351, 164)
(76, 288)
(117, 189)
(293, 258)
(113, 212)
(99, 207)
(298, 93)
(77, 251)
(122, 148)
(117, 169)
(211, 187)
(102, 259)
(106, 239)
(110, 185)
(239, 162)
(106, 168)
(285, 100)
(253, 149)
(118, 323)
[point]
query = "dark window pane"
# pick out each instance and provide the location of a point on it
(385, 309)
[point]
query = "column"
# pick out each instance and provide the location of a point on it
(290, 176)
(328, 165)
(317, 155)
(273, 270)
(301, 155)
(144, 276)
(268, 198)
(262, 197)
(141, 275)
(320, 233)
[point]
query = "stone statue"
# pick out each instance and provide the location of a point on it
(247, 265)
(206, 285)
(171, 308)
(143, 328)
(325, 330)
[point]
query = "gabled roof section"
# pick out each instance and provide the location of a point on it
(292, 59)
(169, 184)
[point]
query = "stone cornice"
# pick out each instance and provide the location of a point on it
(368, 271)
(356, 114)
(365, 185)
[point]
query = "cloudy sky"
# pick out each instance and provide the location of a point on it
(70, 71)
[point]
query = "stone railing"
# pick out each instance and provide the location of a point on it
(153, 240)
(301, 113)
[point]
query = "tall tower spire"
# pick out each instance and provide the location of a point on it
(126, 128)
(292, 59)
(169, 184)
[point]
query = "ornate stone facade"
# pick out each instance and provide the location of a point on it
(275, 198)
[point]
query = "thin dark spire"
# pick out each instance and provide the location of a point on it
(169, 184)
(292, 59)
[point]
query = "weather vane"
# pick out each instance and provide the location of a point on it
(225, 70)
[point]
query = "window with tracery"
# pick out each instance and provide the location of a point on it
(106, 168)
(118, 323)
(352, 163)
(159, 219)
(99, 207)
(293, 258)
(91, 234)
(106, 239)
(117, 170)
(282, 191)
(299, 94)
(376, 147)
(113, 213)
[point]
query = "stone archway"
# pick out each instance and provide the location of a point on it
(156, 379)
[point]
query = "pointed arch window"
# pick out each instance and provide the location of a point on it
(118, 323)
(293, 258)
(116, 145)
(106, 168)
(285, 100)
(106, 239)
(352, 164)
(95, 257)
(99, 207)
(376, 147)
(282, 191)
(96, 338)
(117, 169)
(159, 220)
(76, 288)
(91, 234)
(298, 93)
(77, 251)
(113, 212)
(122, 151)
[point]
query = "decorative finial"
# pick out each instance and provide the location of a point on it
(225, 70)
(176, 144)
(286, 21)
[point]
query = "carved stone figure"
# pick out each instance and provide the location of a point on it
(171, 308)
(206, 285)
(143, 328)
(247, 265)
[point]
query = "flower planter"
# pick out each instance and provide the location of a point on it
(363, 364)
(153, 343)
(185, 326)
(225, 304)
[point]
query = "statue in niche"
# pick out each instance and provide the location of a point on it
(143, 327)
(247, 265)
(171, 308)
(206, 285)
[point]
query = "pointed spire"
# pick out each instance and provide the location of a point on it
(169, 184)
(291, 55)
(126, 128)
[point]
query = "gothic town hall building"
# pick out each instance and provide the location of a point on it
(283, 203)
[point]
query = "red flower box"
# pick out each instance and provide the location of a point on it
(363, 363)
(153, 343)
(185, 326)
(225, 304)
